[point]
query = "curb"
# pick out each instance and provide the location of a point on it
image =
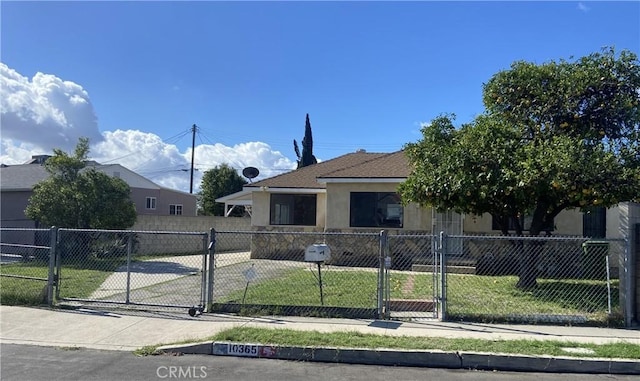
(413, 358)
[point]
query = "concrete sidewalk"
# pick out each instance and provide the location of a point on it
(119, 331)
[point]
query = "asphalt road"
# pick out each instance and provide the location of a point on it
(33, 363)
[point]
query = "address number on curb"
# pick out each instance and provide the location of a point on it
(248, 350)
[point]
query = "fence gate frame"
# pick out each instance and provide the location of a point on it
(51, 279)
(57, 268)
(386, 305)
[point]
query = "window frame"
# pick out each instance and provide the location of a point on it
(176, 207)
(151, 203)
(293, 209)
(381, 206)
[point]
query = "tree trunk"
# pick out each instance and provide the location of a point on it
(528, 273)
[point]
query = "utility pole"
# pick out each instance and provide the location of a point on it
(193, 151)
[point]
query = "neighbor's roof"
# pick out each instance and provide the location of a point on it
(21, 177)
(357, 165)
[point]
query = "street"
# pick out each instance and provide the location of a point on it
(33, 363)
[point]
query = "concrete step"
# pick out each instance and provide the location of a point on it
(411, 305)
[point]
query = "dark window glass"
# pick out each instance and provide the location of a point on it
(525, 222)
(293, 209)
(375, 209)
(594, 223)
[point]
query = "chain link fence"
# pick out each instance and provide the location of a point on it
(132, 267)
(412, 281)
(535, 280)
(278, 275)
(567, 280)
(26, 266)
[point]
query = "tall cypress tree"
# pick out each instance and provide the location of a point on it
(307, 157)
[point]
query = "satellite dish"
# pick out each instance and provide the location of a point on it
(250, 173)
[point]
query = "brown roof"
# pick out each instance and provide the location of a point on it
(392, 165)
(352, 165)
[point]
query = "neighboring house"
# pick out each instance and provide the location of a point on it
(357, 192)
(17, 182)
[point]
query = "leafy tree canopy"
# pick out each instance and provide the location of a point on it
(555, 136)
(220, 181)
(78, 197)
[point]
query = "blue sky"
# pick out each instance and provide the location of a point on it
(368, 73)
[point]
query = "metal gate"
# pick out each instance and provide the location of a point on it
(270, 273)
(144, 268)
(412, 282)
(26, 265)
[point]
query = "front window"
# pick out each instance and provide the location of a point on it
(374, 209)
(151, 202)
(175, 210)
(293, 209)
(525, 223)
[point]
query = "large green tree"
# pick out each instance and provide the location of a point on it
(560, 135)
(217, 182)
(75, 196)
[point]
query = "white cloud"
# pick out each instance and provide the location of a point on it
(46, 112)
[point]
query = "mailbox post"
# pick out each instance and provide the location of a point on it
(318, 253)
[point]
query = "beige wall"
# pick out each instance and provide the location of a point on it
(261, 203)
(191, 223)
(338, 209)
(335, 213)
(167, 243)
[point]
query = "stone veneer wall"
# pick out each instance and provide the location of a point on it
(349, 247)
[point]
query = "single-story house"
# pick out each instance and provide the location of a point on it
(17, 182)
(357, 191)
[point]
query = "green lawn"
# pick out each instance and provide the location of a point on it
(79, 278)
(16, 291)
(471, 297)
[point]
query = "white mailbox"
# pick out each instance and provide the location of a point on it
(317, 253)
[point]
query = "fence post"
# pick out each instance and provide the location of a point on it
(58, 262)
(631, 262)
(128, 290)
(212, 251)
(51, 279)
(382, 240)
(443, 275)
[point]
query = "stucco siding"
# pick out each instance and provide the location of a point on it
(12, 206)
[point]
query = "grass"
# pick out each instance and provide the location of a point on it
(79, 278)
(288, 337)
(23, 292)
(473, 297)
(469, 297)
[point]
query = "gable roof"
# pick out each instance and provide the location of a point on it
(356, 165)
(23, 177)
